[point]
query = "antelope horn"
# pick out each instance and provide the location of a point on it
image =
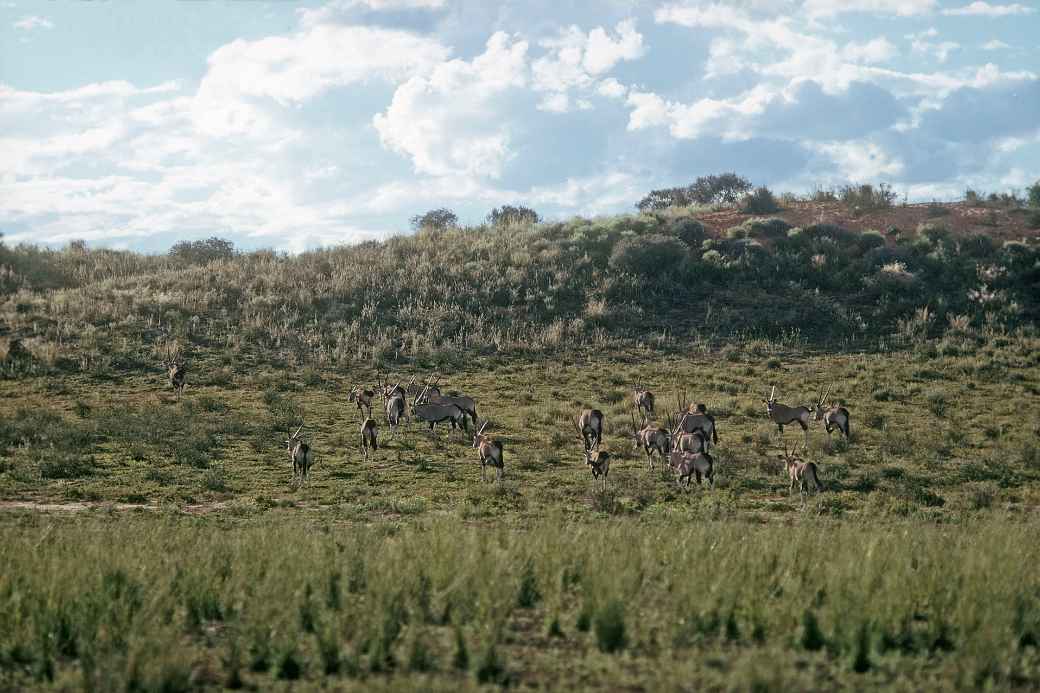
(298, 431)
(482, 428)
(824, 398)
(772, 394)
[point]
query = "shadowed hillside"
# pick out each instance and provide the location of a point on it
(661, 276)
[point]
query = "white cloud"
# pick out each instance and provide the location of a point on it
(994, 45)
(979, 8)
(877, 50)
(30, 22)
(861, 160)
(900, 8)
(611, 88)
(724, 117)
(940, 49)
(336, 9)
(452, 121)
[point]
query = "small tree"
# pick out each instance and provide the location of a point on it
(664, 198)
(725, 187)
(203, 252)
(761, 201)
(1034, 194)
(512, 215)
(435, 220)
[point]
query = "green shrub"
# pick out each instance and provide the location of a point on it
(648, 255)
(609, 626)
(761, 201)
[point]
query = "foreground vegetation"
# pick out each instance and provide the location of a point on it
(716, 605)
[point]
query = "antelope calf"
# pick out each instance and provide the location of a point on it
(644, 401)
(782, 415)
(590, 426)
(490, 452)
(687, 465)
(800, 472)
(368, 436)
(363, 400)
(299, 454)
(833, 417)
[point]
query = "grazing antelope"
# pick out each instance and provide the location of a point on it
(782, 415)
(599, 462)
(490, 452)
(644, 401)
(800, 472)
(178, 374)
(363, 399)
(692, 419)
(652, 438)
(434, 414)
(590, 426)
(833, 417)
(430, 394)
(368, 436)
(300, 454)
(687, 465)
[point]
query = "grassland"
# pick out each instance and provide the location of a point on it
(156, 542)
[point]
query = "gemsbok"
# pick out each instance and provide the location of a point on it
(300, 454)
(782, 415)
(687, 465)
(431, 394)
(368, 436)
(599, 462)
(644, 401)
(363, 399)
(490, 452)
(692, 419)
(833, 417)
(395, 410)
(177, 373)
(434, 414)
(590, 426)
(800, 472)
(651, 438)
(690, 442)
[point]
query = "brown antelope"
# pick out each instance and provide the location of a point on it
(590, 426)
(177, 373)
(300, 454)
(833, 417)
(687, 465)
(368, 436)
(692, 419)
(652, 438)
(394, 405)
(363, 399)
(644, 401)
(431, 394)
(599, 462)
(782, 415)
(490, 452)
(690, 442)
(800, 472)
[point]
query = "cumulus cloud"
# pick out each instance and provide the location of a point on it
(979, 8)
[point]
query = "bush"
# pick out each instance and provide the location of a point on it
(202, 252)
(665, 198)
(761, 201)
(648, 255)
(609, 625)
(435, 220)
(689, 231)
(1033, 194)
(973, 198)
(867, 197)
(512, 215)
(772, 227)
(725, 187)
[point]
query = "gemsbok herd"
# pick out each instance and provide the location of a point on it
(684, 444)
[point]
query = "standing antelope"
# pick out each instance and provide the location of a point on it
(394, 405)
(692, 419)
(800, 472)
(590, 426)
(177, 373)
(432, 395)
(300, 454)
(687, 465)
(599, 462)
(490, 452)
(368, 436)
(434, 414)
(690, 442)
(833, 417)
(651, 438)
(782, 415)
(363, 399)
(644, 401)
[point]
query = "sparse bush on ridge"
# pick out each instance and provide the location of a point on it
(761, 201)
(435, 220)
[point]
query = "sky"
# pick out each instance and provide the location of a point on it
(298, 125)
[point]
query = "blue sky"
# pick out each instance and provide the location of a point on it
(293, 125)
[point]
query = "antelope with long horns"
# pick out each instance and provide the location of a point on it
(368, 436)
(431, 394)
(590, 426)
(300, 454)
(363, 399)
(177, 372)
(692, 419)
(782, 415)
(833, 417)
(652, 439)
(800, 472)
(644, 401)
(394, 406)
(687, 465)
(434, 414)
(490, 452)
(599, 462)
